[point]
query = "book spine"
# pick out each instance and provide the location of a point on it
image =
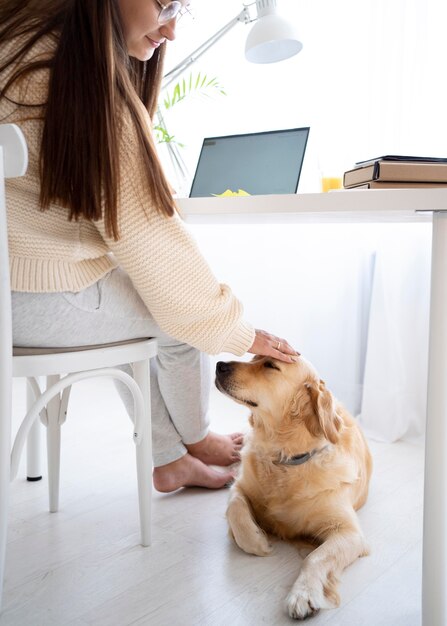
(358, 175)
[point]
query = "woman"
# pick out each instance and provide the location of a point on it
(98, 252)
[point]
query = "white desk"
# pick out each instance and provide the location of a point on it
(391, 205)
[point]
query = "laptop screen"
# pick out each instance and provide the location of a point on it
(250, 164)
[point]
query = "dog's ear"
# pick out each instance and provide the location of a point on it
(325, 419)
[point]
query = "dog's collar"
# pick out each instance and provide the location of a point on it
(299, 459)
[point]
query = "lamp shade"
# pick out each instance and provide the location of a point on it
(272, 38)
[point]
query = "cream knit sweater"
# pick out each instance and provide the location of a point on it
(51, 254)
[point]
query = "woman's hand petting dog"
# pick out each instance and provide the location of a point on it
(266, 344)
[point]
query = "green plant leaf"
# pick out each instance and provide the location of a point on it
(202, 85)
(199, 85)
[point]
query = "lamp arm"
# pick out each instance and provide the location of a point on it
(243, 16)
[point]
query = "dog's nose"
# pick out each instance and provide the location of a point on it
(223, 368)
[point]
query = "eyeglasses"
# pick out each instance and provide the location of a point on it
(171, 10)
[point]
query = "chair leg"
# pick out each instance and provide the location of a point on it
(33, 444)
(4, 512)
(5, 472)
(53, 446)
(144, 453)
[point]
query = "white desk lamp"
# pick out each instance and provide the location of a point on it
(272, 38)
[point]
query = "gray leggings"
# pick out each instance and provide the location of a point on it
(111, 310)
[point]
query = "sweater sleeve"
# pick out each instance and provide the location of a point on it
(168, 270)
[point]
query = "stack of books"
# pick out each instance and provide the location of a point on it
(390, 171)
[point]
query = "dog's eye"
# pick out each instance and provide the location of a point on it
(271, 366)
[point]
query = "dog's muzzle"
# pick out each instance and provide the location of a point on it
(224, 383)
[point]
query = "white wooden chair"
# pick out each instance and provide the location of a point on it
(51, 405)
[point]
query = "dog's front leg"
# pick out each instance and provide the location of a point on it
(245, 531)
(316, 586)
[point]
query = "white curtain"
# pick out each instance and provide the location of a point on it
(395, 378)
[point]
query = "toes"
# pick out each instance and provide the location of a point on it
(307, 597)
(300, 607)
(238, 438)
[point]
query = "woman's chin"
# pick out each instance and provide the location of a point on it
(144, 53)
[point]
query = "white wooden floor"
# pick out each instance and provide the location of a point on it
(83, 565)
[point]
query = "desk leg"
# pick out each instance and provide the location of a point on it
(434, 587)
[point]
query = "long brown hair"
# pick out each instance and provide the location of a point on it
(91, 70)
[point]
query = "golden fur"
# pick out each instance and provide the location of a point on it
(294, 413)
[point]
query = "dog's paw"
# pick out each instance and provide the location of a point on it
(299, 607)
(306, 598)
(254, 543)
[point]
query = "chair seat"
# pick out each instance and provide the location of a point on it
(30, 362)
(19, 351)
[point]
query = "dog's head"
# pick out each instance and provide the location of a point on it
(280, 394)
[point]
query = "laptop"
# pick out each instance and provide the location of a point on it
(250, 164)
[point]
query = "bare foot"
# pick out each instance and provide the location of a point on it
(189, 472)
(217, 449)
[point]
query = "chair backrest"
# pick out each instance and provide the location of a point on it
(13, 162)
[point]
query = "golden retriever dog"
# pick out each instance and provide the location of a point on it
(305, 469)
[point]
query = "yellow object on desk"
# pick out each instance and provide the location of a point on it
(228, 193)
(331, 182)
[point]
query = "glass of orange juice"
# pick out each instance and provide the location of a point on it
(331, 181)
(331, 171)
